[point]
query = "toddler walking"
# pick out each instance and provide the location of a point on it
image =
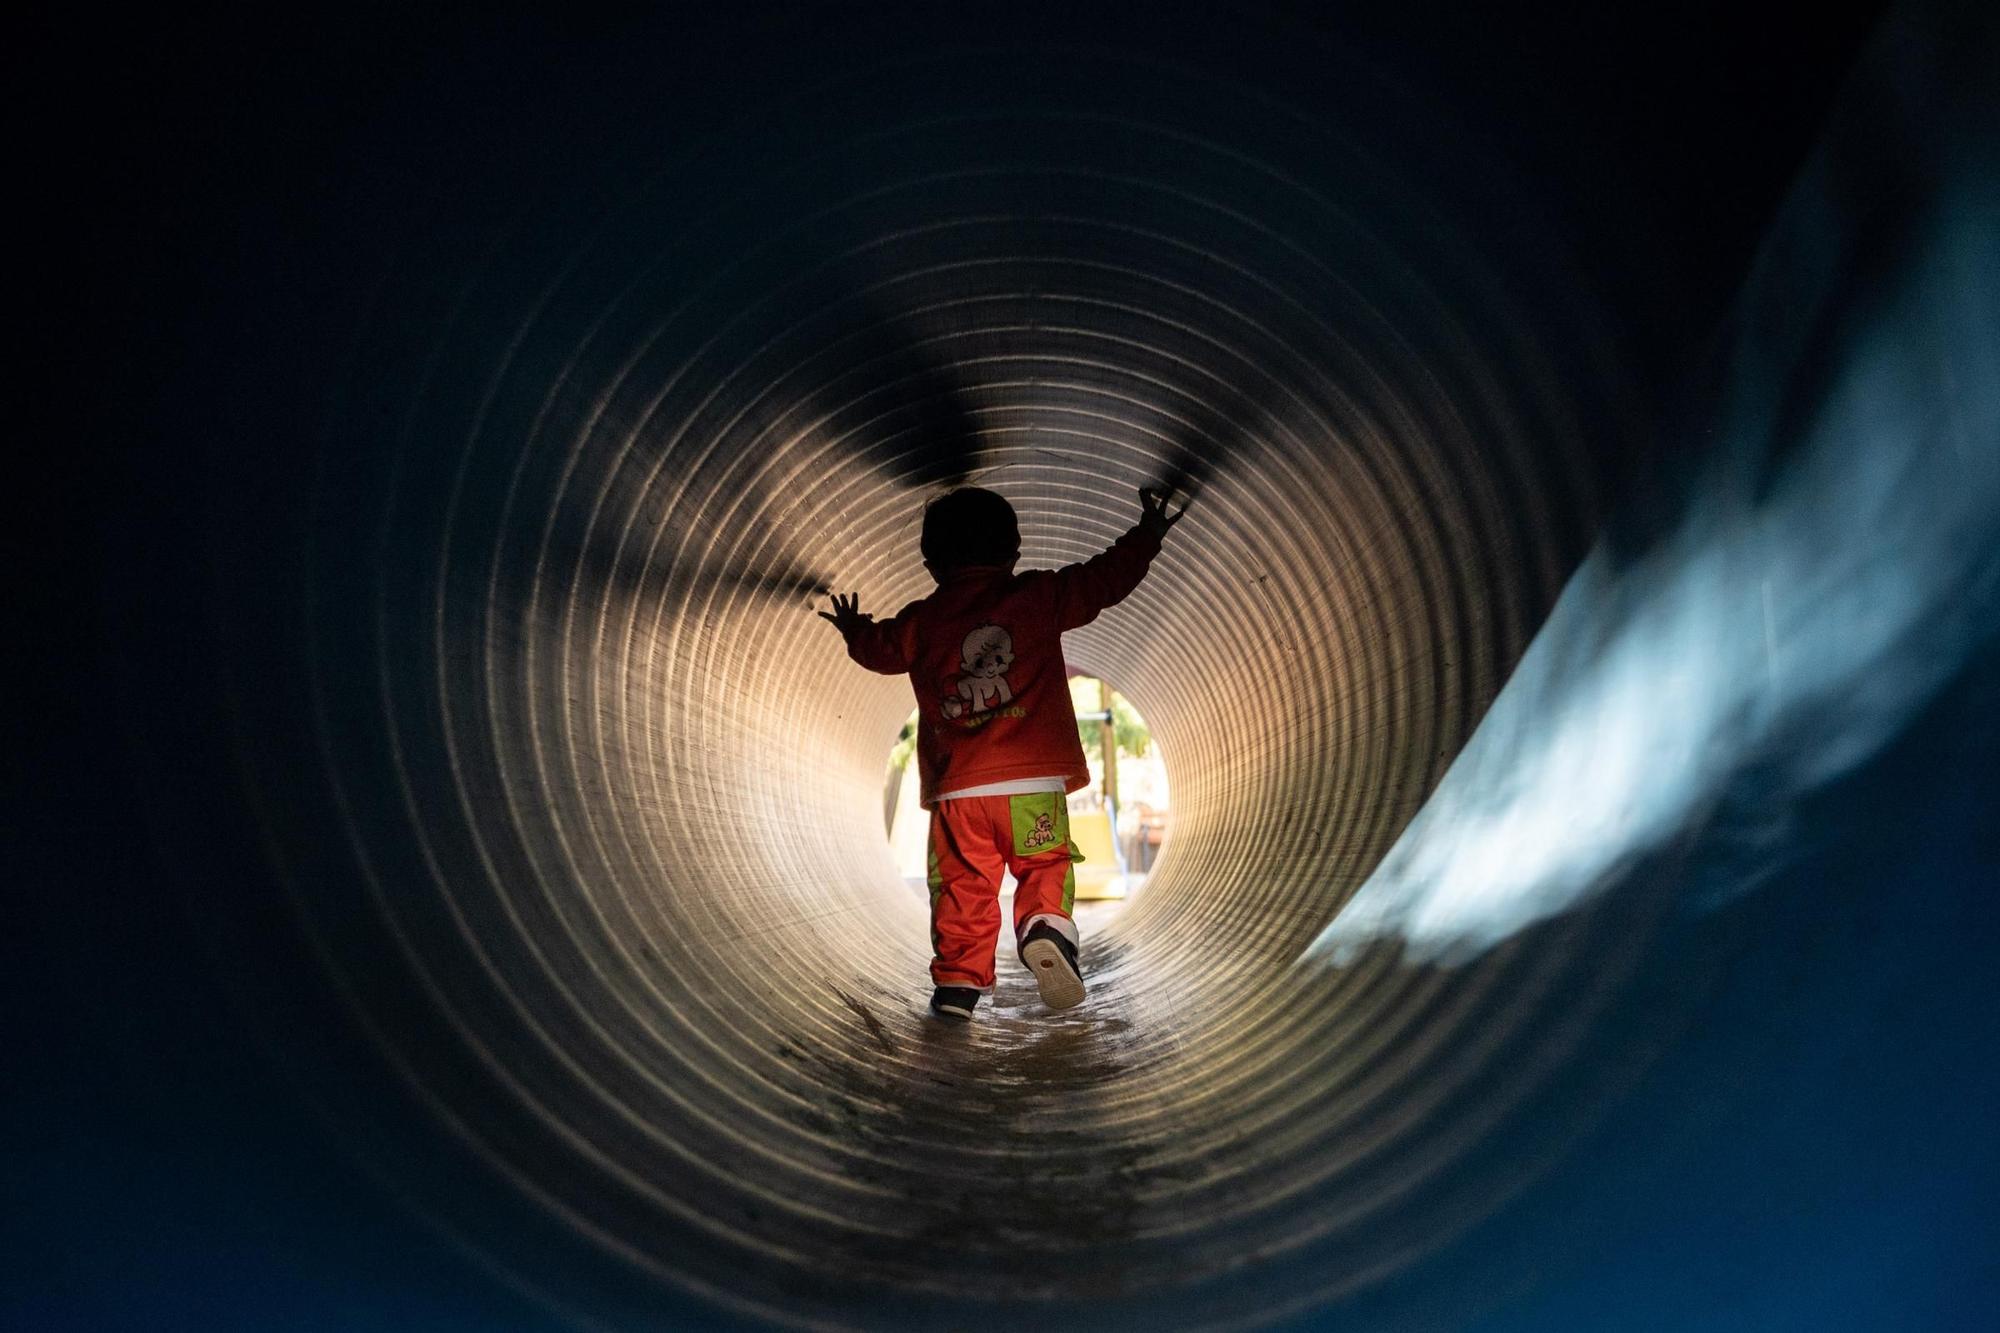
(997, 745)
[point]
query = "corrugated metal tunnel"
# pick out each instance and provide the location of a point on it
(571, 910)
(616, 791)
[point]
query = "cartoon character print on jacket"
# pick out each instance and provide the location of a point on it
(984, 658)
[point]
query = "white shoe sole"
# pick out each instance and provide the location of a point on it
(1061, 987)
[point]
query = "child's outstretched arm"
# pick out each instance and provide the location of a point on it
(879, 647)
(1105, 580)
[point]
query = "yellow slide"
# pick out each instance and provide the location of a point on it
(1098, 876)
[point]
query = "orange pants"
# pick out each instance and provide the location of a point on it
(973, 839)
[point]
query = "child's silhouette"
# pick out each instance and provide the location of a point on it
(997, 746)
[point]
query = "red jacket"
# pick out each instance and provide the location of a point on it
(984, 654)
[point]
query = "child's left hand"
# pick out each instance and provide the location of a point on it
(846, 614)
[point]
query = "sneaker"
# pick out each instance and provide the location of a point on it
(1052, 958)
(954, 1002)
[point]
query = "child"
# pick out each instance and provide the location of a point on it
(997, 747)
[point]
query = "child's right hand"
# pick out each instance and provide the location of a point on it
(846, 614)
(1156, 519)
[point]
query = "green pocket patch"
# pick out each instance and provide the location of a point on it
(1041, 821)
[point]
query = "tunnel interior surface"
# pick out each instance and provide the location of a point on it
(522, 823)
(611, 787)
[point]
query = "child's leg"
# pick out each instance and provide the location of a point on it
(965, 866)
(1043, 859)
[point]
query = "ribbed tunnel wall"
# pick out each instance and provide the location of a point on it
(614, 790)
(524, 432)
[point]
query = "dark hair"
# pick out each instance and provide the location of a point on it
(970, 526)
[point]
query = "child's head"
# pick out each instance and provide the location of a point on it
(969, 527)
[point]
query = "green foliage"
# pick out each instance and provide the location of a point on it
(1129, 731)
(905, 746)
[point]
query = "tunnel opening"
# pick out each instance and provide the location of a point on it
(1119, 820)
